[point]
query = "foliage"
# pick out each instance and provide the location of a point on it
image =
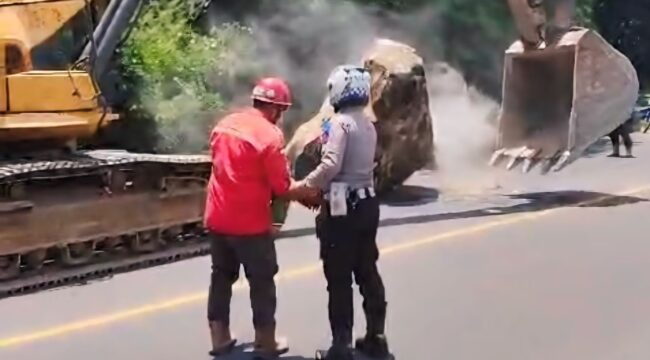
(476, 35)
(174, 71)
(395, 4)
(585, 13)
(626, 25)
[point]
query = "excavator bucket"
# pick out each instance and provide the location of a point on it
(560, 99)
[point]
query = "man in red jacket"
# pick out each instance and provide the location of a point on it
(248, 169)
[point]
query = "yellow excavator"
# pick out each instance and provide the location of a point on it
(61, 207)
(564, 87)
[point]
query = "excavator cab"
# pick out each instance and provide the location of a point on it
(561, 93)
(38, 100)
(14, 58)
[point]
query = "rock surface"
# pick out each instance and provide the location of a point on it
(400, 109)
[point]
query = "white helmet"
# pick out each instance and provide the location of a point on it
(348, 85)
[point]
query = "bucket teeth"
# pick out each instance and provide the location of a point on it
(529, 156)
(562, 161)
(549, 162)
(514, 160)
(497, 156)
(515, 156)
(528, 164)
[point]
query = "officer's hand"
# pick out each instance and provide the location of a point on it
(312, 204)
(300, 191)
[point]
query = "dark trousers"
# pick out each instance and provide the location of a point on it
(257, 255)
(623, 131)
(349, 247)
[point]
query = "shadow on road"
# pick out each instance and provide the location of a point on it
(604, 145)
(410, 195)
(243, 352)
(240, 354)
(601, 146)
(544, 200)
(249, 356)
(538, 201)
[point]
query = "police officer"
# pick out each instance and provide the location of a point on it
(347, 223)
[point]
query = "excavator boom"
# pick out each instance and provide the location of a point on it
(564, 87)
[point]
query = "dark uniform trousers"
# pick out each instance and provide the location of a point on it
(257, 255)
(349, 247)
(623, 131)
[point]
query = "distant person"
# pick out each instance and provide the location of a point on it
(248, 170)
(623, 131)
(349, 217)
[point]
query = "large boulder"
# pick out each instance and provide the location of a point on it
(400, 109)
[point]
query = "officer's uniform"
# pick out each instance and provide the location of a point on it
(348, 241)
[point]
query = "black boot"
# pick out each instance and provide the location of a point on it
(374, 344)
(341, 348)
(337, 352)
(628, 152)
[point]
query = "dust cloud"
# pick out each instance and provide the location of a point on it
(303, 40)
(464, 122)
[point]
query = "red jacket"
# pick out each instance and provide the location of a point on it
(248, 166)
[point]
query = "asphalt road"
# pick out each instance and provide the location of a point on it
(539, 267)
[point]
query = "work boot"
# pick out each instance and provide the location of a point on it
(341, 348)
(628, 152)
(222, 341)
(373, 345)
(266, 346)
(339, 352)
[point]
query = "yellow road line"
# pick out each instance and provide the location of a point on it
(104, 320)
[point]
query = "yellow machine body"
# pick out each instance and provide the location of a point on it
(53, 105)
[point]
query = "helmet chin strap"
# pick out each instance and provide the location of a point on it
(273, 114)
(280, 119)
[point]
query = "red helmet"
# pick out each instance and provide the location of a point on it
(272, 90)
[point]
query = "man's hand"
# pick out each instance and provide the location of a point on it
(307, 196)
(299, 191)
(312, 203)
(275, 230)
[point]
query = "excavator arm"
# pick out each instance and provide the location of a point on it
(529, 18)
(540, 21)
(564, 87)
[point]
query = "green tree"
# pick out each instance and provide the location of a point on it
(626, 25)
(174, 72)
